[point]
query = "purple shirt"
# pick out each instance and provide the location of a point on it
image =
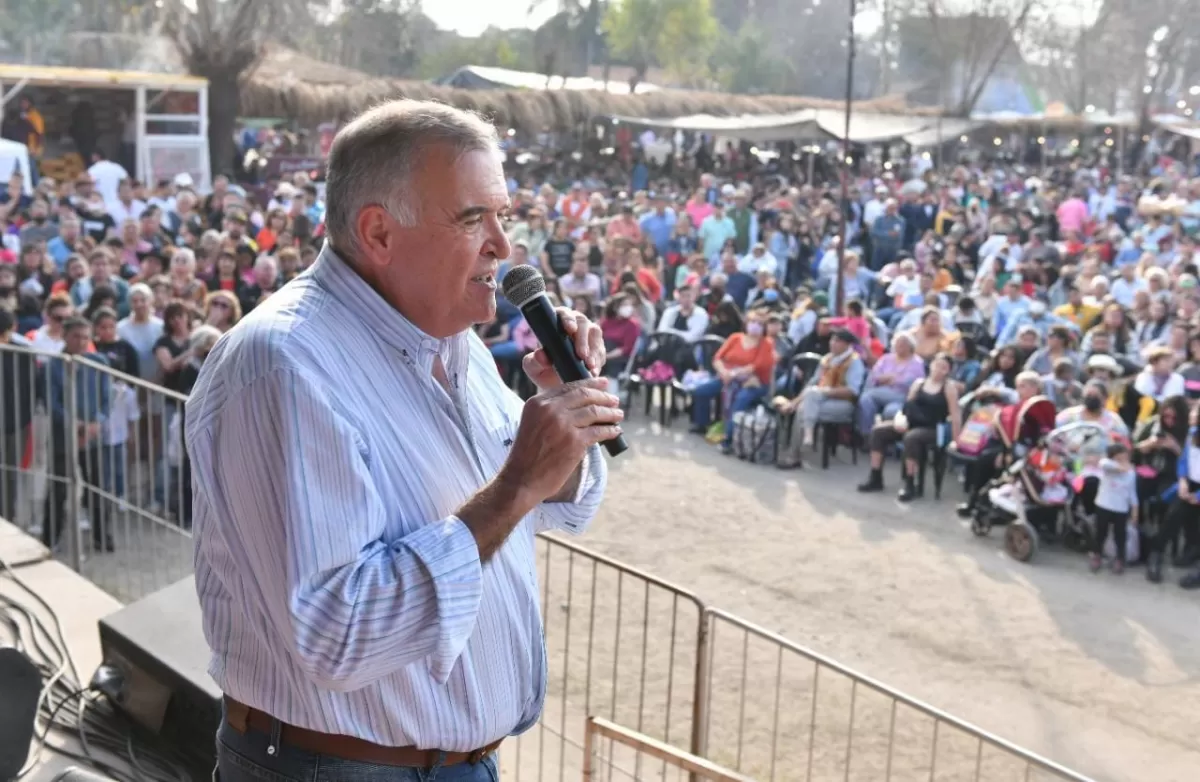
(902, 372)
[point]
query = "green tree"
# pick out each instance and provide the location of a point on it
(676, 34)
(747, 62)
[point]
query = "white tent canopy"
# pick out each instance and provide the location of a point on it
(758, 128)
(938, 133)
(14, 156)
(482, 76)
(807, 124)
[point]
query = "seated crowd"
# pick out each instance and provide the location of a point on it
(1100, 319)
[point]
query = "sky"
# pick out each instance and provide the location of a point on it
(472, 17)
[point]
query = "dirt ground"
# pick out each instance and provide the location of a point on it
(1097, 672)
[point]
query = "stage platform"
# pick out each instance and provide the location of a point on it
(79, 604)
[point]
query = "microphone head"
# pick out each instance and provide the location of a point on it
(522, 284)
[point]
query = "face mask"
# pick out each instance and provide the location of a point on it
(1093, 403)
(625, 311)
(754, 329)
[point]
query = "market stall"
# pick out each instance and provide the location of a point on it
(155, 124)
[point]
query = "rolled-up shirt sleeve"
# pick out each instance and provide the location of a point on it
(350, 607)
(574, 517)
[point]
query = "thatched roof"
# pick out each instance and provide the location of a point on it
(530, 110)
(286, 83)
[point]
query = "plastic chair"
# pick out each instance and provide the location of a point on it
(831, 432)
(660, 346)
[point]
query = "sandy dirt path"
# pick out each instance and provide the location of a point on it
(1097, 672)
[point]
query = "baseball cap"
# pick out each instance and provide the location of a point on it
(728, 190)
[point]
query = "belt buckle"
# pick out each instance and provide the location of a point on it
(477, 756)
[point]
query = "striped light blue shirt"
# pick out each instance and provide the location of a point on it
(339, 591)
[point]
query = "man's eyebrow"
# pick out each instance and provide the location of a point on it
(476, 211)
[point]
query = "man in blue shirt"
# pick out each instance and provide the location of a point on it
(737, 283)
(887, 236)
(66, 243)
(716, 229)
(659, 223)
(75, 429)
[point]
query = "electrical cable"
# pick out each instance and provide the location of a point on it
(95, 722)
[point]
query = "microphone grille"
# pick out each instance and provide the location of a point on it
(522, 284)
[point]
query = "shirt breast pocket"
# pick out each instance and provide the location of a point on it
(499, 434)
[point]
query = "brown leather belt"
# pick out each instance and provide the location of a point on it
(242, 717)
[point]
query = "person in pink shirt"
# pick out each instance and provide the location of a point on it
(698, 207)
(1072, 214)
(624, 226)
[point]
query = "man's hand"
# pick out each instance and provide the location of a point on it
(557, 427)
(589, 346)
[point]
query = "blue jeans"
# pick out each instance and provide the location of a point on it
(704, 394)
(112, 469)
(242, 757)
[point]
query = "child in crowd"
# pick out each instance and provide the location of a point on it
(1116, 505)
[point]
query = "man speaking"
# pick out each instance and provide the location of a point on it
(367, 490)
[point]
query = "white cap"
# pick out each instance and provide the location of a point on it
(183, 180)
(728, 190)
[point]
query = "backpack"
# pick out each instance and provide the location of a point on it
(977, 431)
(754, 436)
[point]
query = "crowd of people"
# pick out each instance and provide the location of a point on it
(957, 285)
(142, 280)
(970, 285)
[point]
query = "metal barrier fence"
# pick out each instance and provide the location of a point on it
(92, 463)
(621, 644)
(779, 711)
(627, 748)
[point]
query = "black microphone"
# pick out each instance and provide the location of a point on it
(525, 289)
(20, 688)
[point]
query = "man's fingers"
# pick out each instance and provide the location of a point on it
(592, 415)
(576, 387)
(595, 348)
(581, 396)
(601, 433)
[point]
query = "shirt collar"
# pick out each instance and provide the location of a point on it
(346, 286)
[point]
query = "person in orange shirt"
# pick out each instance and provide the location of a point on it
(743, 367)
(276, 223)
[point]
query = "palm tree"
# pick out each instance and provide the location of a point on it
(221, 40)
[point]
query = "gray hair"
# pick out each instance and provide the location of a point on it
(1032, 378)
(141, 289)
(203, 338)
(265, 261)
(373, 157)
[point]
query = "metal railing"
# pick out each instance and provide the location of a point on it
(624, 743)
(622, 645)
(92, 463)
(779, 711)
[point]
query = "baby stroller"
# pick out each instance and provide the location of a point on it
(993, 442)
(1033, 496)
